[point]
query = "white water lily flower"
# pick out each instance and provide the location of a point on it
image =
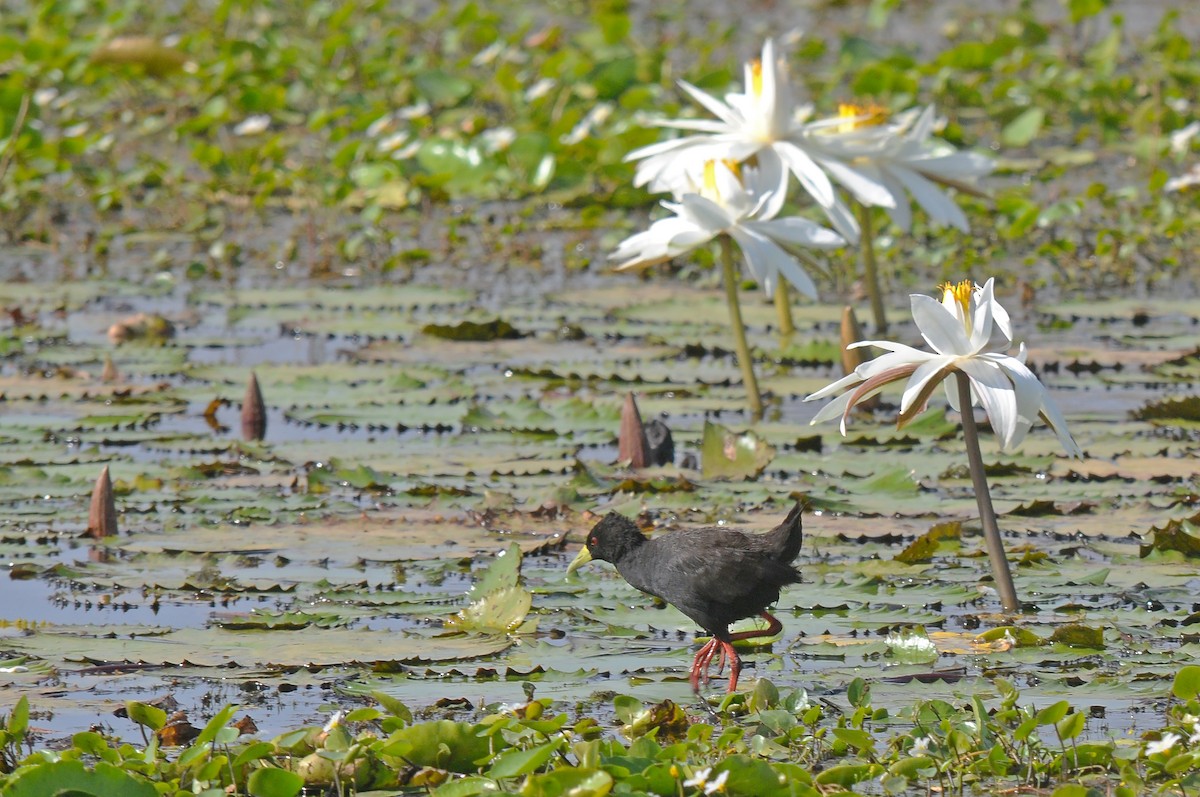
(904, 157)
(969, 331)
(1164, 744)
(920, 746)
(764, 124)
(740, 206)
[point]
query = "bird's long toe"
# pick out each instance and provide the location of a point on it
(735, 664)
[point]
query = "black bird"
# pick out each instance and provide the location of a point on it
(713, 575)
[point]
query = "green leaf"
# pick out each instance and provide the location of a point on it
(1053, 713)
(272, 782)
(18, 720)
(254, 752)
(1071, 790)
(858, 739)
(215, 724)
(846, 775)
(442, 88)
(148, 716)
(1022, 130)
(1187, 682)
(471, 786)
(1071, 725)
(62, 777)
(561, 782)
(515, 763)
(1079, 11)
(444, 744)
(394, 707)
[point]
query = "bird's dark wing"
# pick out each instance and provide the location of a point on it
(712, 575)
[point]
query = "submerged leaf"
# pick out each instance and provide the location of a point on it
(729, 455)
(1077, 635)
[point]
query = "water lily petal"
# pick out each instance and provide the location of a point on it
(866, 188)
(705, 213)
(800, 231)
(942, 331)
(811, 176)
(712, 104)
(932, 199)
(925, 378)
(983, 304)
(1033, 399)
(994, 390)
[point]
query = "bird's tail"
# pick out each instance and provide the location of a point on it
(786, 538)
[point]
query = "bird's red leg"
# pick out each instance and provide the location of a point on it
(773, 628)
(735, 665)
(700, 664)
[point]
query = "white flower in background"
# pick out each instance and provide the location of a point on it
(904, 157)
(1195, 737)
(252, 125)
(1180, 141)
(920, 746)
(1164, 744)
(540, 89)
(969, 331)
(701, 781)
(495, 139)
(384, 124)
(588, 124)
(334, 721)
(737, 205)
(1184, 181)
(764, 124)
(393, 142)
(417, 110)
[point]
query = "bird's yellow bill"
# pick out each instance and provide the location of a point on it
(579, 561)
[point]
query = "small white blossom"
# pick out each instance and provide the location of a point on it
(1164, 744)
(540, 89)
(252, 125)
(920, 746)
(334, 721)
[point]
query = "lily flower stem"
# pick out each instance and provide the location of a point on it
(983, 497)
(870, 270)
(729, 271)
(783, 306)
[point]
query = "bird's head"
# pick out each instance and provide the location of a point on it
(608, 541)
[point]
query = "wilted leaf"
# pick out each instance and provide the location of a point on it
(924, 547)
(496, 329)
(1177, 535)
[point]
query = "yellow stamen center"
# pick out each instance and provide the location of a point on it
(710, 175)
(960, 292)
(756, 77)
(860, 115)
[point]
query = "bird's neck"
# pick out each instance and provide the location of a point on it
(625, 545)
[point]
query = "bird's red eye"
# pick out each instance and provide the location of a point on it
(592, 541)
